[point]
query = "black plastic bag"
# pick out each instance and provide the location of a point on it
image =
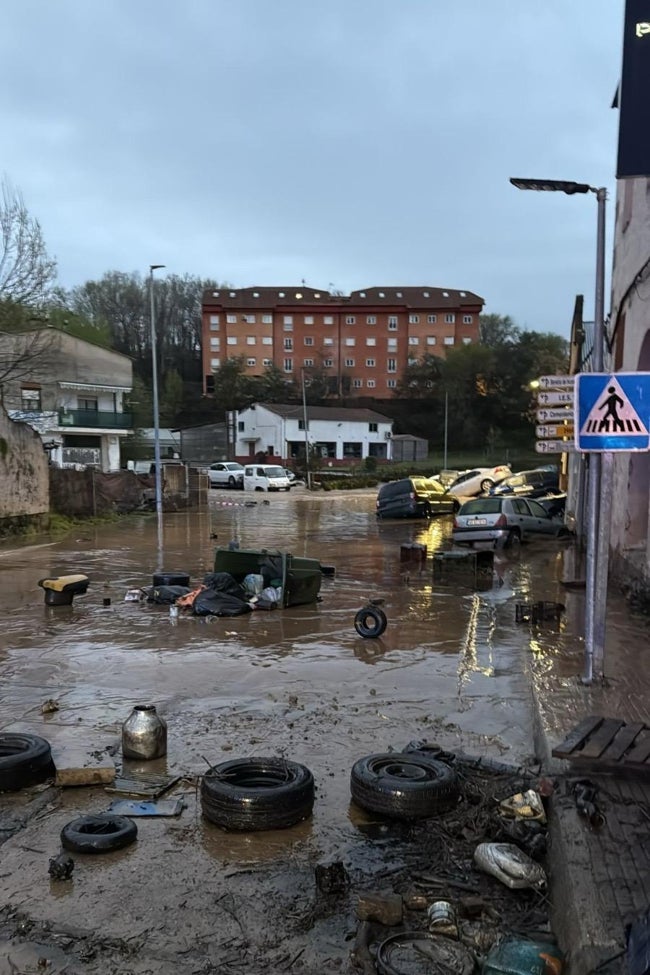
(224, 582)
(165, 595)
(213, 603)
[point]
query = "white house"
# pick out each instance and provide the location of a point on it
(337, 434)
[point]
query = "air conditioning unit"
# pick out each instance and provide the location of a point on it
(388, 435)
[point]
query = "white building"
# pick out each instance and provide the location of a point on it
(337, 434)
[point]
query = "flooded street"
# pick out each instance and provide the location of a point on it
(452, 667)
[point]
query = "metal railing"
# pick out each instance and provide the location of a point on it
(95, 418)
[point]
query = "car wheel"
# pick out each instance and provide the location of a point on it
(513, 542)
(486, 484)
(98, 834)
(370, 622)
(455, 506)
(24, 760)
(403, 786)
(255, 794)
(231, 482)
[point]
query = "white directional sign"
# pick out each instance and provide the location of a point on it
(555, 398)
(555, 416)
(556, 382)
(554, 430)
(554, 446)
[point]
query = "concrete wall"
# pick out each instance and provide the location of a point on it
(24, 479)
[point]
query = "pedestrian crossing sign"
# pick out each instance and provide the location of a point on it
(612, 411)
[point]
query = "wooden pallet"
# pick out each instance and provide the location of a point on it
(607, 744)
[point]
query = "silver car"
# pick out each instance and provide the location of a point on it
(503, 522)
(226, 474)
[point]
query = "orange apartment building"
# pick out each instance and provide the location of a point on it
(363, 341)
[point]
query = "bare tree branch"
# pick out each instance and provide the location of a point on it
(27, 273)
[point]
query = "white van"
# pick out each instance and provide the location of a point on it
(265, 477)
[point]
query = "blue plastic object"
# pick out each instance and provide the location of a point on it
(516, 956)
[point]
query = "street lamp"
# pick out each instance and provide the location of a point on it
(597, 528)
(156, 419)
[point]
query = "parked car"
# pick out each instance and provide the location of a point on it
(291, 475)
(503, 522)
(414, 497)
(226, 474)
(478, 480)
(531, 484)
(265, 477)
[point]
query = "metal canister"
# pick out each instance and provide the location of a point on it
(442, 919)
(144, 733)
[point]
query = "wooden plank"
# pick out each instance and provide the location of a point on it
(622, 741)
(577, 736)
(600, 739)
(641, 750)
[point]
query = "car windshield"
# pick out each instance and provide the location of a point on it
(482, 506)
(275, 472)
(233, 467)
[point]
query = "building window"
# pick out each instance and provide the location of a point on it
(231, 319)
(250, 340)
(412, 362)
(328, 319)
(89, 404)
(267, 319)
(391, 383)
(357, 383)
(214, 343)
(431, 340)
(287, 327)
(432, 319)
(467, 319)
(392, 322)
(288, 345)
(414, 340)
(249, 319)
(214, 323)
(352, 450)
(232, 340)
(309, 319)
(350, 341)
(30, 400)
(267, 340)
(328, 363)
(288, 320)
(414, 319)
(241, 426)
(251, 362)
(373, 428)
(371, 320)
(301, 424)
(391, 365)
(349, 363)
(450, 318)
(267, 362)
(370, 363)
(215, 363)
(328, 341)
(467, 341)
(370, 383)
(288, 365)
(392, 345)
(350, 319)
(371, 341)
(307, 362)
(309, 340)
(448, 340)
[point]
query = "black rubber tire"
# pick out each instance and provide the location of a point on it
(455, 505)
(232, 483)
(98, 834)
(513, 542)
(171, 579)
(255, 794)
(24, 760)
(403, 786)
(370, 622)
(486, 484)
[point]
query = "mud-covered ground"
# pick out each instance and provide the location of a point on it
(452, 667)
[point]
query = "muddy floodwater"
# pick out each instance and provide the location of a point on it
(452, 667)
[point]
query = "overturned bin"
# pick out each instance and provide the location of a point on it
(472, 569)
(299, 578)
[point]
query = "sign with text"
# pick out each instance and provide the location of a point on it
(555, 416)
(556, 382)
(555, 398)
(554, 446)
(558, 430)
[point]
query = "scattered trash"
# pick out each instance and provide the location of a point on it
(230, 633)
(61, 590)
(538, 612)
(151, 785)
(61, 867)
(523, 805)
(49, 706)
(144, 733)
(98, 834)
(331, 878)
(370, 622)
(585, 796)
(106, 601)
(134, 595)
(517, 956)
(75, 767)
(426, 954)
(171, 579)
(441, 918)
(134, 807)
(382, 906)
(173, 611)
(509, 864)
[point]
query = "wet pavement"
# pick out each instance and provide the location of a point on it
(452, 667)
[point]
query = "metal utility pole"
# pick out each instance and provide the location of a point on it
(156, 413)
(306, 426)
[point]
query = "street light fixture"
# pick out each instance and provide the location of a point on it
(156, 417)
(597, 528)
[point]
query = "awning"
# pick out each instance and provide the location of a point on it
(95, 388)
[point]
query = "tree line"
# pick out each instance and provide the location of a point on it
(482, 389)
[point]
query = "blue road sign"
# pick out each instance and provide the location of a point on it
(612, 411)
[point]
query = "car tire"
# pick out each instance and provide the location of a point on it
(24, 760)
(171, 578)
(370, 622)
(513, 542)
(98, 834)
(403, 786)
(486, 485)
(253, 794)
(455, 506)
(231, 482)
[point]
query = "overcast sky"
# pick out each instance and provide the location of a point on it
(349, 143)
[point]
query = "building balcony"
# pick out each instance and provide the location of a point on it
(95, 419)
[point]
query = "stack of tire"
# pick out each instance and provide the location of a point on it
(24, 760)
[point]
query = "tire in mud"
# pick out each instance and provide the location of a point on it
(98, 834)
(403, 786)
(253, 794)
(24, 760)
(171, 579)
(370, 622)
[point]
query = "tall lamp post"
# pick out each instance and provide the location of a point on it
(156, 416)
(597, 528)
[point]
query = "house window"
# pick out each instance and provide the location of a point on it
(352, 450)
(414, 319)
(392, 322)
(414, 340)
(215, 363)
(391, 365)
(214, 323)
(431, 340)
(309, 340)
(371, 341)
(328, 319)
(328, 363)
(307, 362)
(373, 428)
(391, 383)
(309, 319)
(370, 383)
(232, 340)
(267, 340)
(392, 345)
(267, 362)
(267, 319)
(288, 345)
(288, 320)
(412, 362)
(371, 320)
(357, 383)
(370, 363)
(350, 320)
(231, 319)
(349, 363)
(450, 318)
(467, 341)
(241, 426)
(301, 424)
(328, 341)
(350, 341)
(251, 362)
(214, 343)
(288, 365)
(249, 319)
(30, 400)
(250, 340)
(467, 319)
(448, 340)
(89, 404)
(287, 327)
(432, 319)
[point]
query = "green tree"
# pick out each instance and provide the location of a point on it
(233, 389)
(497, 330)
(171, 398)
